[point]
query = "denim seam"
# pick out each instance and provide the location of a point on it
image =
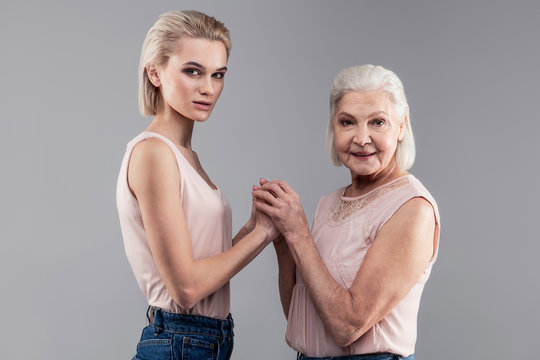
(155, 341)
(185, 350)
(198, 342)
(186, 332)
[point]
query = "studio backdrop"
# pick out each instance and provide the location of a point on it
(69, 106)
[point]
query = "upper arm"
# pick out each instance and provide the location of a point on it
(395, 261)
(154, 179)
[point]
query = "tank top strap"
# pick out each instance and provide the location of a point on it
(186, 169)
(178, 155)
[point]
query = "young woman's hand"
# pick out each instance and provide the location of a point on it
(264, 223)
(250, 225)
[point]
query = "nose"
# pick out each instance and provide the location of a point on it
(362, 137)
(207, 87)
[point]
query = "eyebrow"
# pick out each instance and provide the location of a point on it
(377, 113)
(369, 116)
(193, 63)
(344, 113)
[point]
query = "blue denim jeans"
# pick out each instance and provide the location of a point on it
(385, 356)
(172, 336)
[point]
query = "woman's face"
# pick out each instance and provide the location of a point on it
(367, 129)
(192, 79)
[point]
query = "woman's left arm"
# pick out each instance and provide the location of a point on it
(392, 266)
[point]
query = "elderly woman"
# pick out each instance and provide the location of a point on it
(351, 287)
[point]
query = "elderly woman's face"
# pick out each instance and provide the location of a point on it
(367, 129)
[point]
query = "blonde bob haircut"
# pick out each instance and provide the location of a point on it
(370, 77)
(162, 41)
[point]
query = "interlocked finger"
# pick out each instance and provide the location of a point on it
(274, 188)
(265, 196)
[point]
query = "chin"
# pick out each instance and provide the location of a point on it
(200, 117)
(200, 120)
(362, 171)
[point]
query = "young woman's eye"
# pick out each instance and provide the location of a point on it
(219, 75)
(192, 72)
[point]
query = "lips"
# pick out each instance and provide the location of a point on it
(203, 105)
(363, 154)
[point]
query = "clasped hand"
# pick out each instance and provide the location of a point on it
(282, 205)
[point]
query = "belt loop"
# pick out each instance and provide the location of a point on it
(148, 310)
(150, 314)
(231, 320)
(222, 331)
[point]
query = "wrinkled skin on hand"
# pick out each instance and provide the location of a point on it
(282, 204)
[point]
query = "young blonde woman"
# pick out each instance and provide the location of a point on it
(176, 223)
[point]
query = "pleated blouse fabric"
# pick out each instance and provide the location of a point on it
(344, 229)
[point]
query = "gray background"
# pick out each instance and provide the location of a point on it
(69, 106)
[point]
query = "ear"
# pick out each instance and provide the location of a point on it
(153, 75)
(402, 128)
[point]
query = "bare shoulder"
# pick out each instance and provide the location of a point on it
(152, 163)
(151, 150)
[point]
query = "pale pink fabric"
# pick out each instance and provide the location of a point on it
(343, 230)
(209, 222)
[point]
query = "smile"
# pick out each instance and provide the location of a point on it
(362, 154)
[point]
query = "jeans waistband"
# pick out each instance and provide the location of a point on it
(175, 322)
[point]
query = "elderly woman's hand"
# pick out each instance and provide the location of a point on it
(282, 204)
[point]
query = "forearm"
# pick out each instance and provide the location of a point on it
(246, 229)
(286, 276)
(334, 303)
(279, 201)
(211, 273)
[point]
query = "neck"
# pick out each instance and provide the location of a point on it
(361, 184)
(173, 125)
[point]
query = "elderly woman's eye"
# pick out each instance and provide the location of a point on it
(345, 122)
(378, 122)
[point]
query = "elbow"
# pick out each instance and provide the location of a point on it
(186, 298)
(348, 333)
(344, 340)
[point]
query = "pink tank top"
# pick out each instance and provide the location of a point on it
(343, 230)
(209, 221)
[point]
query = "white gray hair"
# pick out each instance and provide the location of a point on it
(371, 77)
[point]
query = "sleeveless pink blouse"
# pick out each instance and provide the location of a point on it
(343, 230)
(209, 220)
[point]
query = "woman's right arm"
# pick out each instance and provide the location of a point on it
(395, 261)
(154, 179)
